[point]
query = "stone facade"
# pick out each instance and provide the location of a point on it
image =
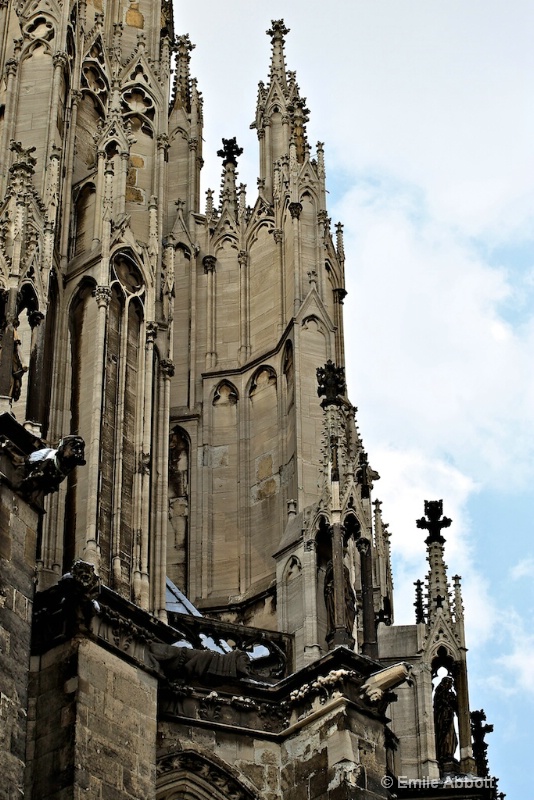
(196, 596)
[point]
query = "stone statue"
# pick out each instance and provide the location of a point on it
(17, 371)
(350, 599)
(445, 708)
(182, 663)
(47, 468)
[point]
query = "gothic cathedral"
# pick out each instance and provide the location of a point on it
(196, 596)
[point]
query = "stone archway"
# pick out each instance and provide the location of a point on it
(188, 775)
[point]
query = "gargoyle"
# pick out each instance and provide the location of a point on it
(376, 686)
(209, 667)
(47, 468)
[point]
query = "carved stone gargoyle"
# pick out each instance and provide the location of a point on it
(377, 688)
(206, 666)
(45, 469)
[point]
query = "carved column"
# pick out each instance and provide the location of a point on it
(99, 199)
(76, 98)
(268, 156)
(162, 491)
(193, 147)
(9, 120)
(209, 269)
(263, 159)
(244, 347)
(60, 60)
(312, 650)
(163, 149)
(278, 235)
(295, 210)
(467, 762)
(339, 297)
(141, 575)
(7, 351)
(341, 634)
(91, 551)
(370, 645)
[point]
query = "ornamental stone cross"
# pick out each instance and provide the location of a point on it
(433, 523)
(229, 152)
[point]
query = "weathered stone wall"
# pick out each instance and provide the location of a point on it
(95, 729)
(18, 531)
(337, 754)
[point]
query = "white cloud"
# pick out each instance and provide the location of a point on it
(428, 348)
(523, 569)
(517, 664)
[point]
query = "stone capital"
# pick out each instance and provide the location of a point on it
(151, 332)
(167, 368)
(295, 210)
(102, 294)
(208, 262)
(339, 295)
(363, 545)
(35, 318)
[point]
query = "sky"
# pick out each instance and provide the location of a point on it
(427, 114)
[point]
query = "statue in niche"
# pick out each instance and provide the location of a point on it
(207, 666)
(350, 598)
(179, 501)
(178, 465)
(445, 709)
(18, 369)
(47, 468)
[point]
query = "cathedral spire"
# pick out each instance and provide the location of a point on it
(229, 153)
(437, 582)
(278, 62)
(182, 78)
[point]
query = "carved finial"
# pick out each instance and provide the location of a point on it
(433, 523)
(23, 155)
(331, 380)
(209, 203)
(229, 152)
